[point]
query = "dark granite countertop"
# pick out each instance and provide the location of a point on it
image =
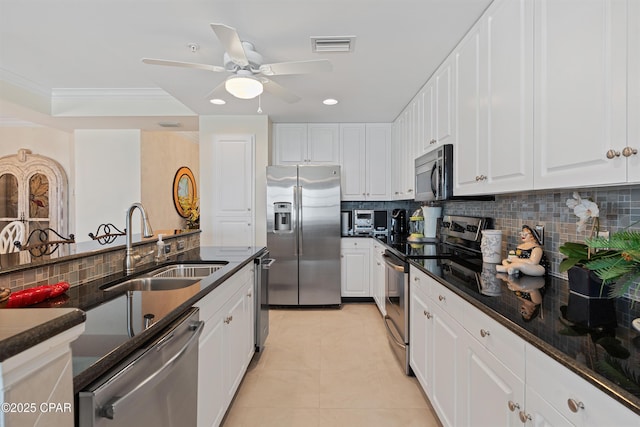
(584, 350)
(90, 295)
(24, 328)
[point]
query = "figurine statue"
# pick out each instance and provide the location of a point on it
(529, 257)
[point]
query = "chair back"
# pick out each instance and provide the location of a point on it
(11, 233)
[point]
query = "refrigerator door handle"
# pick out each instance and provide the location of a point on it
(296, 220)
(300, 231)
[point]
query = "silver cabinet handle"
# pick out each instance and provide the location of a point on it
(628, 151)
(513, 406)
(612, 153)
(484, 333)
(574, 405)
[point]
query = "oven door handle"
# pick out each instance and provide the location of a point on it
(392, 335)
(110, 409)
(392, 265)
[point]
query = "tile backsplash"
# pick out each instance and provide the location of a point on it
(619, 208)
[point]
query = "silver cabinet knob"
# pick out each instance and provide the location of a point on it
(427, 314)
(574, 405)
(433, 141)
(612, 154)
(513, 406)
(481, 178)
(249, 294)
(484, 333)
(441, 297)
(524, 417)
(628, 151)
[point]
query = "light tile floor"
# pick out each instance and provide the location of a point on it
(328, 367)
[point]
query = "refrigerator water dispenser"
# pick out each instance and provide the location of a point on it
(282, 217)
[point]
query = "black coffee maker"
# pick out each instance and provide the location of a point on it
(399, 229)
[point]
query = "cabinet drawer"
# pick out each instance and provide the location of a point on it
(451, 303)
(354, 243)
(563, 388)
(500, 341)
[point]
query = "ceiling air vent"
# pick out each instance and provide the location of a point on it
(333, 44)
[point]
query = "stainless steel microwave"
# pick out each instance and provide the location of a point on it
(434, 175)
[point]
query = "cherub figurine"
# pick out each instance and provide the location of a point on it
(529, 256)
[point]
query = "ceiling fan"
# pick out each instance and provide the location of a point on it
(248, 78)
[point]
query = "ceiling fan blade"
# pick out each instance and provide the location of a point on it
(206, 67)
(296, 67)
(231, 42)
(279, 91)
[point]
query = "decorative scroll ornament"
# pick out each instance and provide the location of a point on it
(105, 235)
(38, 243)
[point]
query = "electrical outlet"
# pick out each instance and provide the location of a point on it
(540, 230)
(603, 234)
(167, 248)
(180, 245)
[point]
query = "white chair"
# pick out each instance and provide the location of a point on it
(13, 232)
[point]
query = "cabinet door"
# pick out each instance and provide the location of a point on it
(378, 277)
(470, 155)
(509, 68)
(323, 146)
(540, 413)
(397, 158)
(445, 126)
(235, 329)
(633, 92)
(211, 390)
(378, 159)
(355, 272)
(428, 109)
(491, 394)
(289, 143)
(353, 161)
(445, 347)
(580, 101)
(420, 330)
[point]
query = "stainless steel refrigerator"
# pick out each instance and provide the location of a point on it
(303, 234)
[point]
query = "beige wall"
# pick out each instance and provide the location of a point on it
(162, 154)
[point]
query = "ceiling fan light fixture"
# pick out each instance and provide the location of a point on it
(243, 87)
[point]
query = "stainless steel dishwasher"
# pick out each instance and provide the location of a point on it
(262, 299)
(397, 305)
(157, 386)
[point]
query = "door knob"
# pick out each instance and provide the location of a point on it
(574, 405)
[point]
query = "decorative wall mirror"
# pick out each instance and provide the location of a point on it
(185, 194)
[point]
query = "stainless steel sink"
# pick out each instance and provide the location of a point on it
(153, 284)
(176, 276)
(186, 270)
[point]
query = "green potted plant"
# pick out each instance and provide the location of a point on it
(582, 279)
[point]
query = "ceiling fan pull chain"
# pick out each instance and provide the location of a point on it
(259, 104)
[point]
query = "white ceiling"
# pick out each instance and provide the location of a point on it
(67, 49)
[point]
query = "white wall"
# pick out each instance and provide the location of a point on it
(107, 164)
(260, 126)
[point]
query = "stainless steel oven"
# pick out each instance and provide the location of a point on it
(397, 306)
(156, 386)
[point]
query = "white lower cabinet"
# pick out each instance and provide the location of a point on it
(378, 276)
(355, 269)
(226, 345)
(476, 372)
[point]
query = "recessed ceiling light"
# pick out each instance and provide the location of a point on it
(330, 101)
(170, 124)
(217, 101)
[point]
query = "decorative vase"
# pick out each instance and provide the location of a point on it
(585, 282)
(589, 303)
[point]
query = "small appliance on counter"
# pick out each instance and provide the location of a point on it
(363, 222)
(398, 226)
(345, 223)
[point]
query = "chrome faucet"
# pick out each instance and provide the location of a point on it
(130, 259)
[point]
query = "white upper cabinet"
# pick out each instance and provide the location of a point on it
(633, 91)
(378, 161)
(428, 120)
(581, 93)
(445, 103)
(301, 143)
(494, 102)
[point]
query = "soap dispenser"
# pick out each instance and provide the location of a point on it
(160, 256)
